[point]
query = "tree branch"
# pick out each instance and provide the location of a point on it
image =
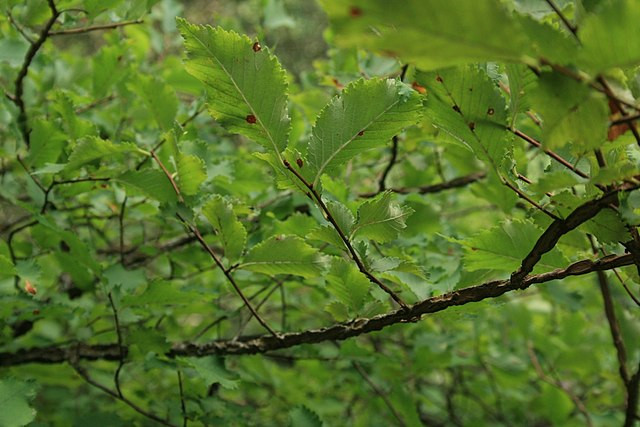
(461, 181)
(340, 331)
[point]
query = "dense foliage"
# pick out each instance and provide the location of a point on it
(353, 213)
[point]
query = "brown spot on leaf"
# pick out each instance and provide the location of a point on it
(472, 125)
(456, 108)
(299, 162)
(251, 119)
(439, 79)
(256, 47)
(355, 12)
(491, 111)
(361, 133)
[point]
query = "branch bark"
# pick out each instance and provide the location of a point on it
(340, 331)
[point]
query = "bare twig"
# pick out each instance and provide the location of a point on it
(436, 188)
(85, 376)
(360, 370)
(24, 70)
(182, 404)
(168, 174)
(558, 384)
(116, 376)
(565, 21)
(19, 28)
(71, 31)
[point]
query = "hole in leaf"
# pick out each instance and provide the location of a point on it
(439, 79)
(456, 108)
(361, 133)
(491, 111)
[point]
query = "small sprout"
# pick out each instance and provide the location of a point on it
(256, 47)
(491, 111)
(355, 12)
(30, 288)
(421, 89)
(299, 162)
(472, 125)
(251, 119)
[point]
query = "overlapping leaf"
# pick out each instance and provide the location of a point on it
(467, 105)
(248, 89)
(284, 255)
(366, 115)
(220, 214)
(381, 220)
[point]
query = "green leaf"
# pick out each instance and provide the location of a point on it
(94, 148)
(213, 371)
(366, 115)
(348, 284)
(47, 142)
(191, 173)
(579, 116)
(521, 82)
(284, 255)
(464, 103)
(429, 33)
(151, 182)
(15, 396)
(302, 416)
(6, 267)
(159, 98)
(232, 233)
(248, 86)
(162, 293)
(610, 36)
(503, 248)
(381, 220)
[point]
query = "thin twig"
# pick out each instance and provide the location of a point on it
(228, 275)
(121, 226)
(85, 376)
(523, 196)
(558, 384)
(343, 237)
(182, 404)
(19, 27)
(24, 70)
(565, 21)
(71, 31)
(116, 376)
(168, 174)
(435, 188)
(378, 391)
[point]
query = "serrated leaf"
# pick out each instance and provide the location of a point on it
(284, 255)
(327, 234)
(579, 116)
(191, 173)
(610, 36)
(213, 371)
(428, 33)
(47, 142)
(301, 416)
(466, 104)
(6, 267)
(15, 398)
(159, 98)
(342, 214)
(521, 82)
(503, 248)
(379, 219)
(366, 115)
(347, 284)
(151, 182)
(160, 293)
(94, 148)
(221, 216)
(248, 86)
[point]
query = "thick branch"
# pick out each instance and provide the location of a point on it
(341, 331)
(559, 228)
